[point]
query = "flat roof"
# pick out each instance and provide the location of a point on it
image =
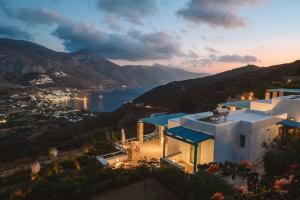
(238, 104)
(286, 90)
(161, 119)
(289, 123)
(188, 135)
(250, 116)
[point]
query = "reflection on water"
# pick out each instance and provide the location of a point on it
(105, 101)
(85, 104)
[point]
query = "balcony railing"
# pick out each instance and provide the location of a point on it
(150, 137)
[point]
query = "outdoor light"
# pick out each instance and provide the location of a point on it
(35, 167)
(53, 152)
(242, 98)
(118, 160)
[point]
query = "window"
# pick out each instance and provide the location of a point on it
(242, 140)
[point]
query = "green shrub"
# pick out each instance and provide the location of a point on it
(204, 185)
(277, 162)
(187, 186)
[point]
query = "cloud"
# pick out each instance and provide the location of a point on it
(192, 54)
(215, 13)
(32, 16)
(133, 45)
(130, 10)
(237, 59)
(212, 50)
(212, 59)
(13, 32)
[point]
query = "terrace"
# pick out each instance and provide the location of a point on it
(131, 151)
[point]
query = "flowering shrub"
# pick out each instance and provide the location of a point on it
(218, 196)
(258, 186)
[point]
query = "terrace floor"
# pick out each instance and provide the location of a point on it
(151, 149)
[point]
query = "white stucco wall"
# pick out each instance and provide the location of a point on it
(206, 151)
(225, 137)
(289, 106)
(258, 137)
(262, 106)
(198, 125)
(174, 146)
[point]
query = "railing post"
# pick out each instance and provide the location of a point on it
(164, 143)
(195, 158)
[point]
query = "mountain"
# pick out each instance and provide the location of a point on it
(203, 94)
(23, 63)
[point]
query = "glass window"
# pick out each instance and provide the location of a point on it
(242, 140)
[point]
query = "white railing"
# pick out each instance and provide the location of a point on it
(150, 137)
(113, 154)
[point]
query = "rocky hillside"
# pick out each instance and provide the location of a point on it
(205, 93)
(24, 63)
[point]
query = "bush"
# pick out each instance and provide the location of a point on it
(276, 163)
(187, 186)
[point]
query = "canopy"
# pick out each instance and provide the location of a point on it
(162, 119)
(188, 135)
(290, 124)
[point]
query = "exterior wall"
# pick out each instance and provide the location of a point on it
(206, 151)
(225, 140)
(175, 146)
(290, 106)
(115, 159)
(258, 137)
(262, 106)
(263, 131)
(198, 125)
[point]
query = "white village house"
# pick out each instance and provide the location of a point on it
(233, 132)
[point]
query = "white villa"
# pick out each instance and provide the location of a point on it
(235, 131)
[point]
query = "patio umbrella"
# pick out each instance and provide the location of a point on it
(123, 137)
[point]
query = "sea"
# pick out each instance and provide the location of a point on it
(107, 101)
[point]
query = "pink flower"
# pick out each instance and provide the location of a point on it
(243, 189)
(293, 167)
(213, 168)
(279, 184)
(218, 196)
(245, 163)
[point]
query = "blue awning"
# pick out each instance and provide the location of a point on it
(188, 135)
(290, 124)
(162, 119)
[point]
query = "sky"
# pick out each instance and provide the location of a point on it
(197, 35)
